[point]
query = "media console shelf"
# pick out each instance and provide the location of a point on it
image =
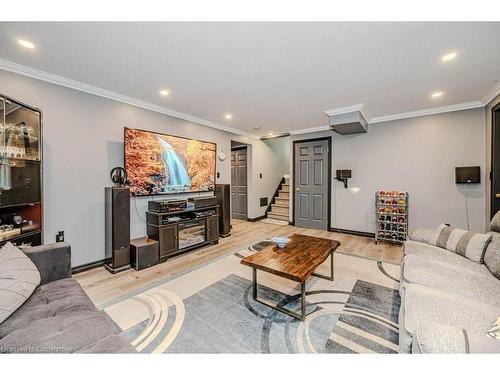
(181, 231)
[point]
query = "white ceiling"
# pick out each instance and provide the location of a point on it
(281, 76)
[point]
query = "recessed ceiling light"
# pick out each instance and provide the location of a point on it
(228, 116)
(449, 56)
(270, 134)
(26, 44)
(437, 94)
(164, 92)
(256, 127)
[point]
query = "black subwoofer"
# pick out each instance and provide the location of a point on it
(143, 253)
(223, 194)
(117, 228)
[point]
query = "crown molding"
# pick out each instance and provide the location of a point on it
(97, 91)
(398, 116)
(309, 130)
(428, 111)
(492, 94)
(342, 110)
(103, 93)
(280, 135)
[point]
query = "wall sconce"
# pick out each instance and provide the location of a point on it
(343, 175)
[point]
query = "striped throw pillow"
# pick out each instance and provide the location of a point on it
(494, 331)
(467, 244)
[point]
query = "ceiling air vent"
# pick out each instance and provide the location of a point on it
(347, 120)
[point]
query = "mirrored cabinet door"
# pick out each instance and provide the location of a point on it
(19, 131)
(2, 124)
(21, 206)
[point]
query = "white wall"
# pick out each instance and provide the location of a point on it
(418, 155)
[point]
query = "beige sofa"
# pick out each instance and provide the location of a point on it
(448, 301)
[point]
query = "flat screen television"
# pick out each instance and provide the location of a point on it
(167, 164)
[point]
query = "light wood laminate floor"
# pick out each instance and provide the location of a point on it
(103, 286)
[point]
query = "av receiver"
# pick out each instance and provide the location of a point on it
(170, 205)
(202, 202)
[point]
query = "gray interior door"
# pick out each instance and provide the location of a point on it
(239, 183)
(311, 183)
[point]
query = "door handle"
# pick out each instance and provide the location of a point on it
(497, 195)
(298, 189)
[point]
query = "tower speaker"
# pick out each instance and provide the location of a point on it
(117, 231)
(223, 194)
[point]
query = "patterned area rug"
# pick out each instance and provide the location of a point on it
(210, 309)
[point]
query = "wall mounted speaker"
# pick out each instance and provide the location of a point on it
(343, 175)
(117, 228)
(467, 175)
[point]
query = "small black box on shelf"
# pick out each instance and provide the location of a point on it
(169, 205)
(201, 202)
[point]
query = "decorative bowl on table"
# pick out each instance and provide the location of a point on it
(281, 241)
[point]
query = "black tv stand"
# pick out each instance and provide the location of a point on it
(180, 231)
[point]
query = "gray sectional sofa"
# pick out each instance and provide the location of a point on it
(448, 301)
(59, 317)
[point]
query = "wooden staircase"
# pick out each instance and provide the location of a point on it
(281, 203)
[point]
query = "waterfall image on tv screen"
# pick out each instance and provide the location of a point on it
(161, 164)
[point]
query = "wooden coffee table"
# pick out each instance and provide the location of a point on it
(297, 262)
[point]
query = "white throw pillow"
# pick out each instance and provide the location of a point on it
(19, 277)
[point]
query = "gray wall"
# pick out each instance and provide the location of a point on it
(418, 155)
(281, 153)
(83, 140)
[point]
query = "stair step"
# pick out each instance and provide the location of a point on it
(279, 205)
(277, 216)
(276, 211)
(285, 188)
(279, 210)
(283, 195)
(282, 201)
